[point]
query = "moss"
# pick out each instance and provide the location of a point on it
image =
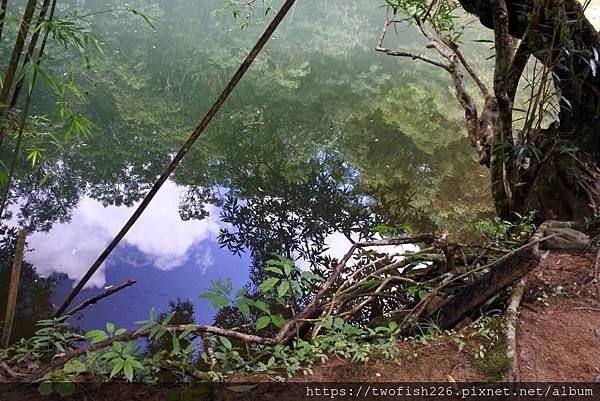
(495, 363)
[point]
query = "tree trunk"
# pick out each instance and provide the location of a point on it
(564, 183)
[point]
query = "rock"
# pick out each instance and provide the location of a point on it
(566, 238)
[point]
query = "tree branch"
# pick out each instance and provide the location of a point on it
(97, 298)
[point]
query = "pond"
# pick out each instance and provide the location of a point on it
(323, 140)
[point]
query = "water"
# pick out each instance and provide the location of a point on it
(323, 140)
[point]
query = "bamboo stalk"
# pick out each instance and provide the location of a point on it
(11, 71)
(13, 288)
(3, 8)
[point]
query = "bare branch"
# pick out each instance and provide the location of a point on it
(97, 298)
(414, 56)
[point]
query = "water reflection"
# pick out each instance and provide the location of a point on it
(323, 140)
(160, 236)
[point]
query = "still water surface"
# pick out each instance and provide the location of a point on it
(323, 140)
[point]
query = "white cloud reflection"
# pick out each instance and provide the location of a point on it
(160, 234)
(338, 245)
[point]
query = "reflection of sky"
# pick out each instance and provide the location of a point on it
(159, 234)
(337, 245)
(170, 258)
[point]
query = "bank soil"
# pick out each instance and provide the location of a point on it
(558, 333)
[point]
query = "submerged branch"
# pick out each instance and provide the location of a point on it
(97, 298)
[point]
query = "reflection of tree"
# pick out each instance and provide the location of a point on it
(183, 313)
(286, 113)
(292, 216)
(414, 184)
(34, 294)
(41, 203)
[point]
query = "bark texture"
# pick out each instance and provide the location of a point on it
(564, 182)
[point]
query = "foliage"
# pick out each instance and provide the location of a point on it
(284, 284)
(338, 338)
(505, 234)
(52, 337)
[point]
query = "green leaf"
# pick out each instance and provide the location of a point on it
(110, 327)
(225, 341)
(176, 346)
(266, 285)
(168, 319)
(423, 294)
(128, 370)
(186, 332)
(242, 305)
(273, 269)
(96, 336)
(283, 288)
(216, 300)
(278, 321)
(117, 367)
(74, 366)
(262, 306)
(262, 322)
(311, 276)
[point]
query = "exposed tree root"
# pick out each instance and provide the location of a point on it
(511, 330)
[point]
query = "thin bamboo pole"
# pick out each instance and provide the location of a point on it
(13, 289)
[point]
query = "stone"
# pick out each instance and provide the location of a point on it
(566, 238)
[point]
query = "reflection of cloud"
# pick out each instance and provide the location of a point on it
(338, 245)
(592, 12)
(205, 259)
(159, 233)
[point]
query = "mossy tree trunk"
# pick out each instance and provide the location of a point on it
(562, 178)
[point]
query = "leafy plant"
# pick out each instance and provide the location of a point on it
(52, 337)
(284, 283)
(506, 234)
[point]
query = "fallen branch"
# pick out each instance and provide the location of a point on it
(299, 319)
(130, 336)
(283, 335)
(13, 289)
(503, 272)
(97, 298)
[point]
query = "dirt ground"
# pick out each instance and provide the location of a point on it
(558, 334)
(439, 361)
